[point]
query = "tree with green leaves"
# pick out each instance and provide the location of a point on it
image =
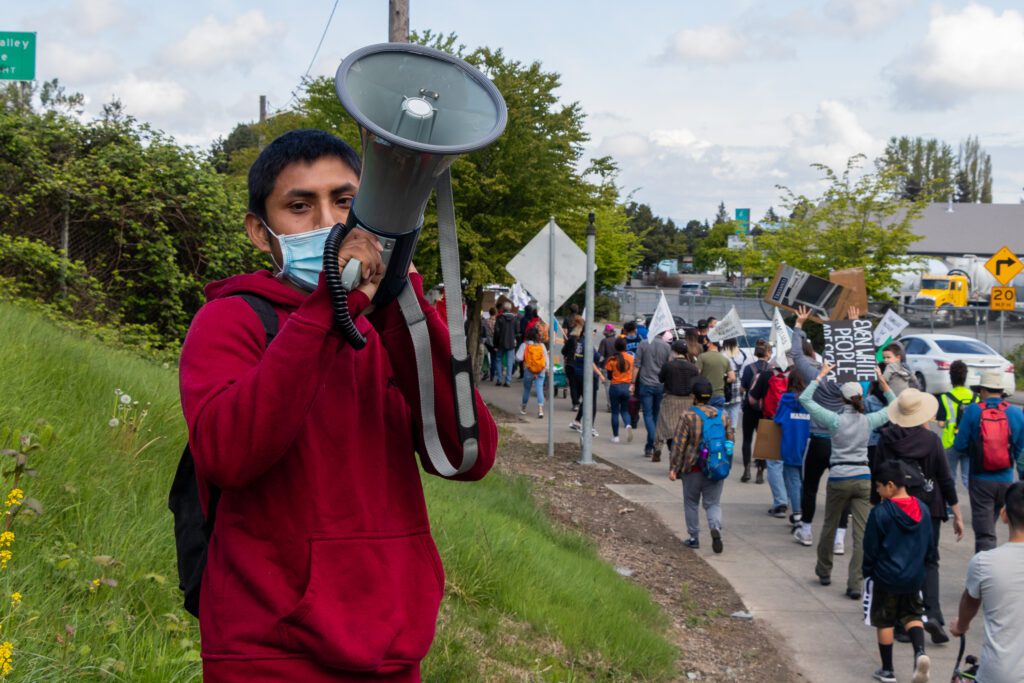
(974, 173)
(924, 167)
(722, 215)
(857, 222)
(660, 237)
(713, 252)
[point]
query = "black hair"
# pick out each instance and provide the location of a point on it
(701, 389)
(305, 145)
(1014, 502)
(761, 348)
(958, 373)
(712, 319)
(533, 334)
(620, 348)
(493, 311)
(892, 472)
(680, 346)
(807, 347)
(701, 324)
(731, 343)
(629, 327)
(796, 383)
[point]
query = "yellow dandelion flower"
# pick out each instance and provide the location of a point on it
(6, 539)
(5, 557)
(94, 585)
(6, 657)
(15, 599)
(15, 497)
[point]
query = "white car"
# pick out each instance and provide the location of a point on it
(930, 355)
(755, 329)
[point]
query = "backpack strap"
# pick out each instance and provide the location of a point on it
(268, 317)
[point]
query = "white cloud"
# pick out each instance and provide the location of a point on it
(146, 98)
(78, 67)
(92, 16)
(971, 51)
(625, 146)
(831, 137)
(212, 43)
(720, 44)
(863, 16)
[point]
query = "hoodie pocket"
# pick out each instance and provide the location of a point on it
(369, 601)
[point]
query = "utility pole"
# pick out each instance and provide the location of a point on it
(587, 438)
(398, 21)
(263, 108)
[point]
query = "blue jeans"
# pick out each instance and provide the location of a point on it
(717, 402)
(528, 380)
(955, 457)
(492, 356)
(794, 484)
(650, 401)
(506, 365)
(776, 483)
(618, 394)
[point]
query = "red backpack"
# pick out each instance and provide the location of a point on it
(995, 439)
(777, 385)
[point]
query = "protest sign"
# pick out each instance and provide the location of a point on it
(890, 327)
(850, 347)
(728, 327)
(662, 319)
(780, 340)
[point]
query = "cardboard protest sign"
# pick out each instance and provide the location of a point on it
(728, 327)
(662, 319)
(780, 340)
(827, 299)
(850, 347)
(890, 327)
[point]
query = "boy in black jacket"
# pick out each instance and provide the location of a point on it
(896, 542)
(908, 439)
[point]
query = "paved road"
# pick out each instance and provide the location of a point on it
(773, 575)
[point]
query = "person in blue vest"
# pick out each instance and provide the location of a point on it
(993, 447)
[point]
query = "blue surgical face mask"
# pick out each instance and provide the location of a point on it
(302, 256)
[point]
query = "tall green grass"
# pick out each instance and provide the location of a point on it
(522, 595)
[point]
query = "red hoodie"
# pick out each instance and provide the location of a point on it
(321, 566)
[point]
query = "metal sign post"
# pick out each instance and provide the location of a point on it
(551, 338)
(587, 438)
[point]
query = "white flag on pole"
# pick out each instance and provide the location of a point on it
(662, 319)
(728, 327)
(780, 340)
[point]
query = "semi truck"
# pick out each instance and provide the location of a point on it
(947, 297)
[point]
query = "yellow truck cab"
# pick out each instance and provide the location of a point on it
(940, 294)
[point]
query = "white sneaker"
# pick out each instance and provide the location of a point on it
(629, 435)
(593, 432)
(615, 439)
(802, 535)
(838, 548)
(522, 409)
(921, 669)
(575, 426)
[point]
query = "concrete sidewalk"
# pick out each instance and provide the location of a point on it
(772, 574)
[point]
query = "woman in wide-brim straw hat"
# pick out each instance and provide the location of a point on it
(908, 439)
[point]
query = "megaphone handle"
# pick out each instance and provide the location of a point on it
(336, 287)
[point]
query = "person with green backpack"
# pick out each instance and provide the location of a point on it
(702, 448)
(951, 407)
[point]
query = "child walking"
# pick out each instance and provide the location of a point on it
(896, 541)
(620, 372)
(535, 364)
(795, 424)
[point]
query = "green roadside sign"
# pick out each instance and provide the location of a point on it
(17, 56)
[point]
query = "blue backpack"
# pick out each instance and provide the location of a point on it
(715, 450)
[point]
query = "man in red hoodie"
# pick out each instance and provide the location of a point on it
(321, 566)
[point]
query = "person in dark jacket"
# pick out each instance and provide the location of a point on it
(505, 343)
(909, 440)
(752, 412)
(896, 541)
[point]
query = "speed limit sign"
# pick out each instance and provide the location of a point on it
(1003, 299)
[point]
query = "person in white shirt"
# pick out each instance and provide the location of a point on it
(995, 585)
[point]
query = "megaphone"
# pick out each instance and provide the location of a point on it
(418, 109)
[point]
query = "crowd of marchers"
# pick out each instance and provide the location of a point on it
(891, 456)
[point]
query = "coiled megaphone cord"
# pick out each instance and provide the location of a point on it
(339, 294)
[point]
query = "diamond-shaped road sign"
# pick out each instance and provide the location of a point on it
(1004, 266)
(531, 266)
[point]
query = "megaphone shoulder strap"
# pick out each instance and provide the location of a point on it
(462, 369)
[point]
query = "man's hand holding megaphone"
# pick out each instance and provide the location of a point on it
(365, 248)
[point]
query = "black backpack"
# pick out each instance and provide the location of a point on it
(191, 529)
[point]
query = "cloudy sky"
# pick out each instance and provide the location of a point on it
(698, 102)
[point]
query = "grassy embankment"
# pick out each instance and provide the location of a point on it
(524, 599)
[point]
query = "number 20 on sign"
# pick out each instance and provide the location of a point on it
(1003, 299)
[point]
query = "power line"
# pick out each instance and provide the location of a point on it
(312, 61)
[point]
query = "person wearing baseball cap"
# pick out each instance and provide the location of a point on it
(849, 477)
(686, 447)
(909, 441)
(992, 458)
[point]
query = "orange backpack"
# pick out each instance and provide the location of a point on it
(533, 358)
